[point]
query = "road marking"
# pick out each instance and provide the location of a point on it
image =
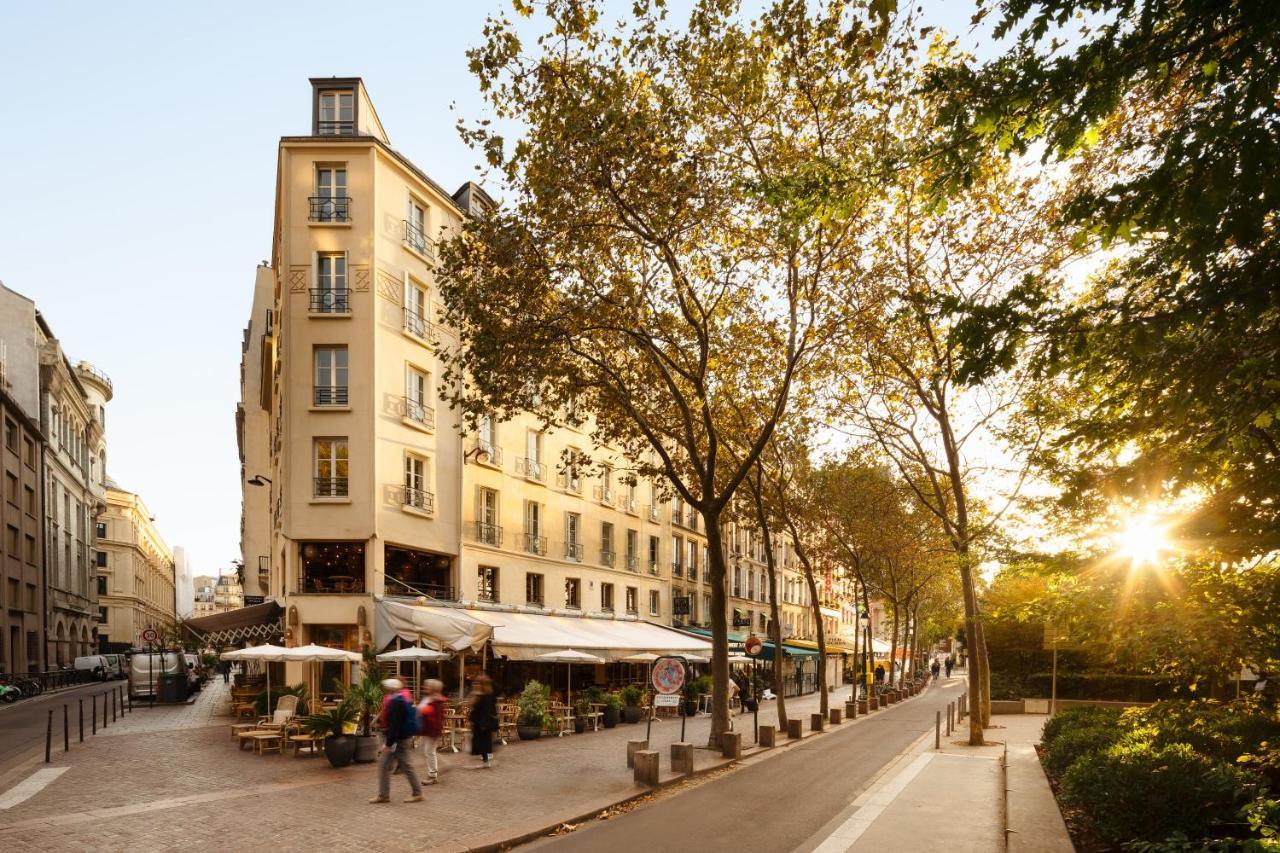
(29, 787)
(870, 804)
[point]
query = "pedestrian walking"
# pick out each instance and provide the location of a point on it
(431, 713)
(879, 674)
(949, 664)
(935, 668)
(225, 666)
(400, 724)
(484, 720)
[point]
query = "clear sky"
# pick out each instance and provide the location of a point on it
(138, 153)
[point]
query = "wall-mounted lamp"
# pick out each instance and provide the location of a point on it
(479, 453)
(259, 480)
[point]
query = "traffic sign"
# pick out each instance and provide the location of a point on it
(150, 636)
(668, 675)
(753, 646)
(666, 700)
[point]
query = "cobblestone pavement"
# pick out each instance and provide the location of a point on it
(169, 776)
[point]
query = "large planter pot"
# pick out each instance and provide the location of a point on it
(339, 750)
(689, 707)
(632, 713)
(366, 748)
(749, 705)
(610, 717)
(579, 725)
(529, 732)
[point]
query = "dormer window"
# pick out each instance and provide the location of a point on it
(337, 114)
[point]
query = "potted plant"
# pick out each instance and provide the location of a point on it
(612, 709)
(339, 748)
(532, 710)
(366, 697)
(580, 711)
(631, 697)
(694, 689)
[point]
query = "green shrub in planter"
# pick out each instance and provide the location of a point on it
(1073, 718)
(1072, 743)
(1224, 730)
(1136, 791)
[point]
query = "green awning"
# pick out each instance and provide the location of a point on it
(737, 639)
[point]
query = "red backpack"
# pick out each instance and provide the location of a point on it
(432, 718)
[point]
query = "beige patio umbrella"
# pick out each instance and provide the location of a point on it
(570, 657)
(265, 653)
(313, 653)
(417, 654)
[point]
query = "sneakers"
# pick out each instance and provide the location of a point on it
(430, 780)
(379, 799)
(416, 798)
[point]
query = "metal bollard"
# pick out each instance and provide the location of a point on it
(113, 706)
(81, 714)
(104, 710)
(48, 739)
(937, 730)
(66, 728)
(93, 716)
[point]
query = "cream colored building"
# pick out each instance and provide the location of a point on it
(136, 586)
(216, 595)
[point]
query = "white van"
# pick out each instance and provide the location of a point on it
(146, 668)
(119, 665)
(97, 664)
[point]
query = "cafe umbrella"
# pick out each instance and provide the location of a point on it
(265, 653)
(570, 657)
(417, 654)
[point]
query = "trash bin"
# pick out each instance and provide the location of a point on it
(173, 687)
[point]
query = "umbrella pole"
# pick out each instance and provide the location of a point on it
(653, 697)
(266, 664)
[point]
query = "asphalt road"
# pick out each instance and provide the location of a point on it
(774, 805)
(22, 724)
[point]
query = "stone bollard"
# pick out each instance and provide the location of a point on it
(646, 767)
(731, 744)
(864, 706)
(851, 710)
(837, 716)
(682, 758)
(768, 736)
(794, 730)
(817, 722)
(634, 746)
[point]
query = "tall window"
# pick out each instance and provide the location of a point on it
(487, 433)
(606, 543)
(337, 114)
(572, 593)
(606, 597)
(487, 583)
(572, 478)
(532, 462)
(331, 467)
(417, 396)
(693, 560)
(677, 555)
(606, 484)
(633, 546)
(653, 555)
(487, 517)
(330, 201)
(331, 376)
(573, 536)
(415, 483)
(533, 589)
(415, 226)
(655, 603)
(415, 309)
(534, 542)
(632, 594)
(330, 295)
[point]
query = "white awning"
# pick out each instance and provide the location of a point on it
(525, 636)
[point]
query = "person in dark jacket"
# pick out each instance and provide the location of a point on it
(484, 720)
(400, 724)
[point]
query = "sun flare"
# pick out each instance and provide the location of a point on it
(1142, 541)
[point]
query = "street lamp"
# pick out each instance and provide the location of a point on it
(865, 618)
(258, 480)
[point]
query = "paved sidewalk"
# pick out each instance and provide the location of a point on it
(209, 708)
(138, 787)
(1035, 822)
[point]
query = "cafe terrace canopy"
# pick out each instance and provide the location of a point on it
(526, 636)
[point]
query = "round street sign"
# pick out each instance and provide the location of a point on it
(668, 675)
(753, 645)
(150, 635)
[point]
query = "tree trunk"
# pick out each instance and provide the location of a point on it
(817, 618)
(719, 631)
(976, 650)
(775, 623)
(984, 679)
(871, 645)
(893, 648)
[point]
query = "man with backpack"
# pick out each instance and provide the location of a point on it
(431, 725)
(400, 724)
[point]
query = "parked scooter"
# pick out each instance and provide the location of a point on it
(9, 693)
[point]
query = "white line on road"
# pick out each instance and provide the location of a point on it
(29, 787)
(870, 804)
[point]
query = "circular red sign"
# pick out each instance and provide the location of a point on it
(753, 645)
(668, 675)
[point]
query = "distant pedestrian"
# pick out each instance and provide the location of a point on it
(935, 668)
(431, 712)
(949, 664)
(879, 674)
(400, 724)
(484, 720)
(225, 666)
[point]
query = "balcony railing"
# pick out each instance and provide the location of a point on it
(532, 469)
(419, 326)
(335, 396)
(653, 567)
(677, 515)
(573, 551)
(632, 563)
(264, 566)
(487, 453)
(532, 543)
(415, 411)
(629, 503)
(606, 557)
(488, 534)
(336, 128)
(652, 513)
(415, 239)
(693, 519)
(570, 483)
(329, 208)
(330, 301)
(693, 573)
(331, 487)
(677, 569)
(340, 585)
(440, 592)
(419, 499)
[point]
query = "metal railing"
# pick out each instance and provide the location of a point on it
(573, 551)
(336, 128)
(569, 483)
(419, 326)
(677, 515)
(653, 567)
(419, 499)
(335, 396)
(606, 557)
(440, 592)
(532, 543)
(652, 513)
(629, 503)
(532, 469)
(330, 301)
(491, 452)
(693, 519)
(329, 208)
(488, 534)
(331, 487)
(415, 411)
(416, 239)
(677, 569)
(264, 566)
(632, 563)
(334, 585)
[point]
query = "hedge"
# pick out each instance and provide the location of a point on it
(1101, 685)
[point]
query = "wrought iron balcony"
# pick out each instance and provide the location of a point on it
(330, 301)
(653, 567)
(264, 566)
(532, 543)
(329, 208)
(629, 503)
(331, 487)
(416, 239)
(573, 551)
(419, 326)
(693, 519)
(419, 499)
(415, 411)
(632, 563)
(677, 515)
(677, 569)
(440, 592)
(606, 557)
(653, 513)
(488, 534)
(334, 396)
(569, 482)
(336, 128)
(532, 469)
